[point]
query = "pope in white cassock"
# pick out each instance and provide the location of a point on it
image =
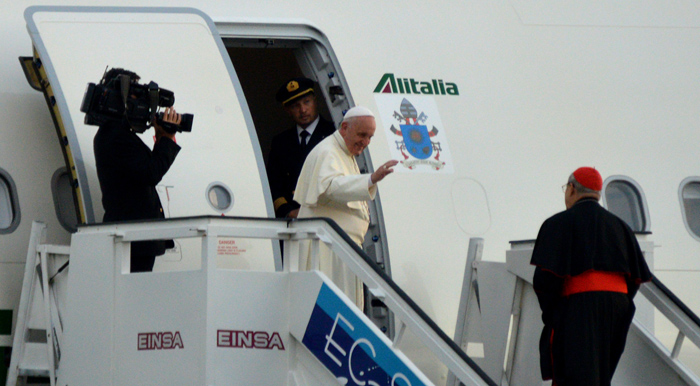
(330, 185)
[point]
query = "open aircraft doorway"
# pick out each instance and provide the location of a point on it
(261, 73)
(263, 65)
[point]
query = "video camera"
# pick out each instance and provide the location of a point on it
(119, 96)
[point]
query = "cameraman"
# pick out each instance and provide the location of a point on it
(128, 171)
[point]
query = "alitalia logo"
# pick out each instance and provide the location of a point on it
(389, 84)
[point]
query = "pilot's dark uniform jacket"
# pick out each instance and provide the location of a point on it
(286, 159)
(588, 268)
(287, 154)
(128, 172)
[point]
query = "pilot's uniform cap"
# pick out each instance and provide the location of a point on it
(294, 89)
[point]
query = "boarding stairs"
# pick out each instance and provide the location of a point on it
(499, 325)
(212, 326)
(39, 330)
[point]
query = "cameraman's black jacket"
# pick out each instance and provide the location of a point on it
(128, 172)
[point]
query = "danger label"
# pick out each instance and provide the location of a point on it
(228, 247)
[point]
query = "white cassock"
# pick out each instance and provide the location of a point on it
(330, 185)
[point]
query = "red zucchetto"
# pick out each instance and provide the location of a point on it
(589, 178)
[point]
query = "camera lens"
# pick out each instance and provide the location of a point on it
(166, 98)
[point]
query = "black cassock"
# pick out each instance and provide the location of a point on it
(585, 333)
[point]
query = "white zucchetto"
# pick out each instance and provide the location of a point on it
(358, 111)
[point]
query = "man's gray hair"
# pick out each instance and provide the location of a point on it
(580, 188)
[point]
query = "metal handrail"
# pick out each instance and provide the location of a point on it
(677, 301)
(406, 311)
(675, 310)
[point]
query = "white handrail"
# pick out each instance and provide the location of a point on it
(326, 231)
(406, 312)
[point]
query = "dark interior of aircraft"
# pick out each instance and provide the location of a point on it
(262, 70)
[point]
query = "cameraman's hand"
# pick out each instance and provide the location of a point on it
(170, 116)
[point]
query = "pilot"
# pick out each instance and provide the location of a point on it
(588, 268)
(128, 171)
(290, 148)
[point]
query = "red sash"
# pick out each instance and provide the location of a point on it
(591, 281)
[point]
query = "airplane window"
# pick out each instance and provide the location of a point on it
(623, 197)
(63, 200)
(9, 207)
(220, 197)
(690, 205)
(6, 214)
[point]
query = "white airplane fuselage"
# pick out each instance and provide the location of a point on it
(520, 95)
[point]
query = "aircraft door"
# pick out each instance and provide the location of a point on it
(219, 170)
(266, 56)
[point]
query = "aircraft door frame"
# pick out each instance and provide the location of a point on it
(74, 44)
(317, 60)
